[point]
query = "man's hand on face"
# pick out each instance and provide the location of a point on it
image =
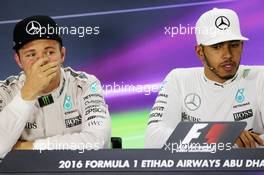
(249, 139)
(38, 77)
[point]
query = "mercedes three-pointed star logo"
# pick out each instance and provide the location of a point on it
(33, 27)
(222, 23)
(192, 101)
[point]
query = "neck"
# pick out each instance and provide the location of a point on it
(212, 76)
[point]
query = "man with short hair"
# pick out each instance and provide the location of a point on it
(47, 106)
(220, 91)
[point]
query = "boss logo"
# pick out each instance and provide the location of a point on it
(243, 115)
(73, 121)
(30, 125)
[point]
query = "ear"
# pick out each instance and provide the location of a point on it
(199, 52)
(17, 59)
(63, 53)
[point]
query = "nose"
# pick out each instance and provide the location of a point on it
(41, 55)
(227, 54)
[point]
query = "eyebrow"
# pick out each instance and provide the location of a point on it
(49, 47)
(31, 50)
(213, 45)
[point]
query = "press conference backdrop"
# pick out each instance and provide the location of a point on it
(130, 46)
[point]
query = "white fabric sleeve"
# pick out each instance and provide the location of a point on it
(165, 114)
(260, 101)
(96, 124)
(262, 137)
(13, 118)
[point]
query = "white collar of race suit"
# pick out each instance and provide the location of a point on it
(221, 85)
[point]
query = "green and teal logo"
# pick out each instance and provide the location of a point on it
(162, 85)
(45, 100)
(82, 75)
(67, 103)
(93, 87)
(245, 73)
(240, 95)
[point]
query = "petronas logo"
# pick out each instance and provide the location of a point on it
(93, 87)
(240, 95)
(67, 103)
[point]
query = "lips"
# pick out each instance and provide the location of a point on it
(228, 66)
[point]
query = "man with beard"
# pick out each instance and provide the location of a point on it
(220, 91)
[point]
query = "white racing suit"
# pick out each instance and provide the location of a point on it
(74, 116)
(187, 95)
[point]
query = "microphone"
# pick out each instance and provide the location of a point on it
(211, 68)
(208, 64)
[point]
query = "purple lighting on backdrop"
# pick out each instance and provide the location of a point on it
(150, 58)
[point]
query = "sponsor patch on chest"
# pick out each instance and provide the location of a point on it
(72, 118)
(71, 122)
(243, 115)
